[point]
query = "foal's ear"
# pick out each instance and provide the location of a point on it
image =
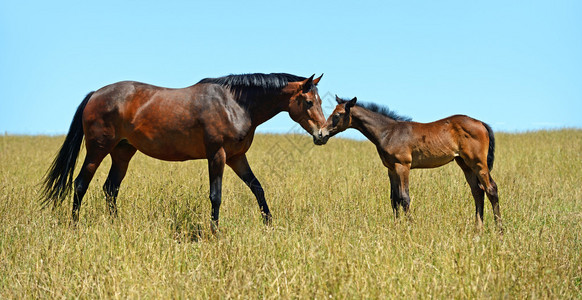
(351, 103)
(338, 99)
(307, 84)
(316, 80)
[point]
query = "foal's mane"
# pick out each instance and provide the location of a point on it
(383, 110)
(264, 82)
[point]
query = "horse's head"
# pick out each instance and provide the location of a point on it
(340, 119)
(305, 107)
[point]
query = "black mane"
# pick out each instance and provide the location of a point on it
(383, 110)
(262, 81)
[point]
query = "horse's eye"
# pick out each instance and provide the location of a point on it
(309, 104)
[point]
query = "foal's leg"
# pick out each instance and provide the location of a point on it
(492, 194)
(216, 163)
(402, 171)
(490, 187)
(394, 192)
(476, 191)
(120, 157)
(241, 167)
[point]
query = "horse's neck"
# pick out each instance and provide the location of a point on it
(370, 124)
(261, 108)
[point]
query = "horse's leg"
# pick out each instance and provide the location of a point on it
(241, 167)
(403, 170)
(92, 160)
(476, 191)
(120, 157)
(216, 163)
(394, 192)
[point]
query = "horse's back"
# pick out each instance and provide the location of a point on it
(169, 124)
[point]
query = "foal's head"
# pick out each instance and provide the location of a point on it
(340, 119)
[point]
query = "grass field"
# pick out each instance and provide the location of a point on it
(333, 233)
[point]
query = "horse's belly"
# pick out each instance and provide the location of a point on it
(170, 146)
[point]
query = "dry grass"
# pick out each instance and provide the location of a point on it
(333, 234)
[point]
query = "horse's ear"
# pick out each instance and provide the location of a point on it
(338, 99)
(307, 84)
(316, 80)
(351, 103)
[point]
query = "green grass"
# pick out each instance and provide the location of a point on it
(333, 233)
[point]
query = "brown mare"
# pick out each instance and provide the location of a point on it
(214, 119)
(404, 145)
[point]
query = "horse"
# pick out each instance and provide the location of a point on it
(214, 119)
(404, 145)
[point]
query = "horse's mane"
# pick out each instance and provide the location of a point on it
(237, 83)
(383, 110)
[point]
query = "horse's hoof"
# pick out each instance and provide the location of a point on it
(267, 219)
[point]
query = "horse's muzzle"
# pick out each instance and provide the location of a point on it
(321, 137)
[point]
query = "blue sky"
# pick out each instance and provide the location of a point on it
(514, 64)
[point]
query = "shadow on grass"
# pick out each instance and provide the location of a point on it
(188, 224)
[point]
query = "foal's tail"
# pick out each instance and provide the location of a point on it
(58, 181)
(491, 152)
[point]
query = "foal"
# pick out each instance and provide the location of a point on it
(404, 145)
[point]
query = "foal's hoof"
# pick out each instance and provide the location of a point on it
(113, 213)
(500, 231)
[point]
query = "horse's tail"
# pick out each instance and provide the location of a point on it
(491, 152)
(58, 181)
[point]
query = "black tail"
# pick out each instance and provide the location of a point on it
(491, 152)
(59, 178)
